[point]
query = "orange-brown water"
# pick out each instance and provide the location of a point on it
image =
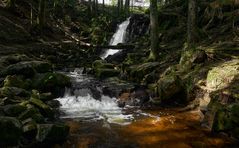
(174, 130)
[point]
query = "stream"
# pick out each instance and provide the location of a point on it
(96, 120)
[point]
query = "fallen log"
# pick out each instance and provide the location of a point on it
(113, 47)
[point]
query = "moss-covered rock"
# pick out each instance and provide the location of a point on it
(27, 68)
(138, 72)
(13, 110)
(103, 70)
(190, 58)
(51, 82)
(21, 68)
(45, 110)
(170, 89)
(33, 113)
(12, 92)
(11, 131)
(106, 73)
(17, 81)
(42, 96)
(29, 129)
(52, 132)
(220, 77)
(41, 66)
(98, 64)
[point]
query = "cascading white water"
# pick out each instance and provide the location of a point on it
(118, 37)
(85, 107)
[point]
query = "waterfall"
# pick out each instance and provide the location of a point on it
(118, 37)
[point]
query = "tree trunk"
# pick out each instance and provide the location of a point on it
(127, 6)
(118, 7)
(103, 5)
(41, 15)
(191, 24)
(90, 7)
(154, 30)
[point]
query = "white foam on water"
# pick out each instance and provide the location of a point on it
(89, 108)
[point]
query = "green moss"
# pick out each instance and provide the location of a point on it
(17, 81)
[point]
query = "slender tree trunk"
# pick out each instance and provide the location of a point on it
(127, 6)
(103, 5)
(191, 24)
(41, 15)
(96, 7)
(154, 30)
(118, 7)
(90, 7)
(31, 16)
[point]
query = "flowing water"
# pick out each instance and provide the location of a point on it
(118, 37)
(98, 122)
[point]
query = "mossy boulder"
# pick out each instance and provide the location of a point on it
(13, 110)
(103, 70)
(12, 59)
(42, 96)
(220, 77)
(227, 119)
(21, 68)
(106, 73)
(190, 58)
(33, 113)
(27, 68)
(11, 131)
(41, 66)
(51, 82)
(17, 81)
(52, 132)
(12, 92)
(101, 64)
(170, 89)
(29, 129)
(138, 72)
(45, 110)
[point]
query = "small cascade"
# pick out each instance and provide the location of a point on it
(80, 103)
(118, 37)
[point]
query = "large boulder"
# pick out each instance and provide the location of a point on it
(51, 82)
(227, 120)
(13, 92)
(12, 59)
(52, 132)
(222, 110)
(106, 73)
(103, 70)
(101, 64)
(190, 58)
(138, 72)
(42, 96)
(13, 110)
(27, 68)
(33, 113)
(17, 81)
(11, 131)
(45, 110)
(21, 68)
(170, 90)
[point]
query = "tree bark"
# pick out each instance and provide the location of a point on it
(191, 24)
(154, 30)
(127, 6)
(41, 15)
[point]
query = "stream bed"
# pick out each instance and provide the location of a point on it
(100, 123)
